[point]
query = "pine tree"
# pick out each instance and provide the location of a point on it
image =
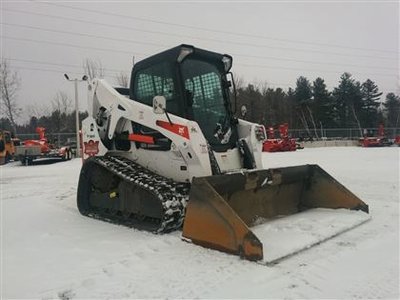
(324, 109)
(291, 103)
(277, 109)
(392, 110)
(251, 97)
(348, 101)
(304, 104)
(370, 97)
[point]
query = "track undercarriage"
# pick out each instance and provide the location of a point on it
(117, 190)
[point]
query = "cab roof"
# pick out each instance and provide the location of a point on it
(171, 55)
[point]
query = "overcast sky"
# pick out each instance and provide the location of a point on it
(271, 41)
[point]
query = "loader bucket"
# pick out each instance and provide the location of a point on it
(222, 208)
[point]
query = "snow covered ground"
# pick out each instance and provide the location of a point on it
(49, 250)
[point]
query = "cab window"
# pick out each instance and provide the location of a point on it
(203, 82)
(157, 80)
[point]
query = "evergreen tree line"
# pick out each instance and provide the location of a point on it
(54, 122)
(311, 106)
(308, 107)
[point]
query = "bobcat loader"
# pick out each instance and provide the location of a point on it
(168, 152)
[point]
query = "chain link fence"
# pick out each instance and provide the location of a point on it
(342, 133)
(62, 139)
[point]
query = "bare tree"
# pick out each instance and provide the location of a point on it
(61, 107)
(93, 68)
(239, 81)
(37, 110)
(9, 84)
(62, 103)
(356, 118)
(122, 79)
(312, 120)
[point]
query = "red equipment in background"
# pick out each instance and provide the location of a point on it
(375, 141)
(284, 143)
(397, 140)
(42, 142)
(41, 148)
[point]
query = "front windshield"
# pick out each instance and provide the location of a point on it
(205, 99)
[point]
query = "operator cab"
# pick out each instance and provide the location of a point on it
(195, 85)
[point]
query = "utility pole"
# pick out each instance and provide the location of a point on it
(76, 80)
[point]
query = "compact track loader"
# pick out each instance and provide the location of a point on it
(168, 152)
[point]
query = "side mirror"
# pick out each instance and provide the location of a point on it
(243, 110)
(159, 105)
(227, 83)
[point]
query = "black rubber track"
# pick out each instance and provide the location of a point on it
(171, 196)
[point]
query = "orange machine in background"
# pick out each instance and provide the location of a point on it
(397, 140)
(7, 147)
(375, 141)
(41, 148)
(284, 143)
(42, 142)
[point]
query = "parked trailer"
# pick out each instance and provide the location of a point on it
(35, 149)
